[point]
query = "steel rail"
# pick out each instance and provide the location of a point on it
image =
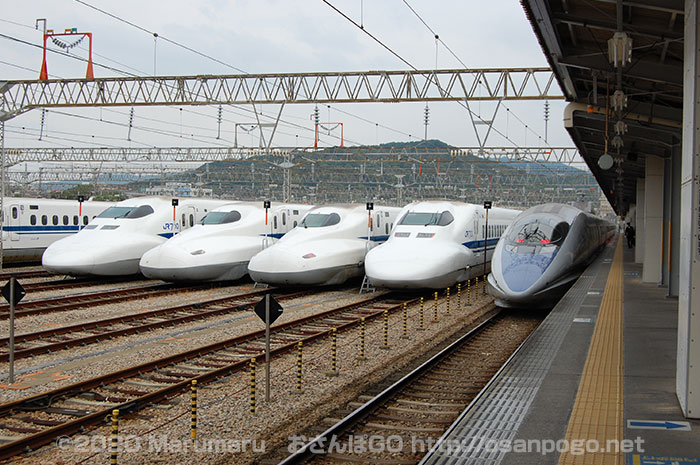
(60, 304)
(232, 303)
(44, 400)
(345, 424)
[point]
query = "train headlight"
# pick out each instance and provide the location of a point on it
(425, 235)
(308, 255)
(198, 252)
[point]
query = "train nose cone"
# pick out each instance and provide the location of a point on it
(274, 265)
(69, 261)
(166, 263)
(396, 267)
(522, 271)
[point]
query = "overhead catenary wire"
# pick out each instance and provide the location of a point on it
(462, 104)
(464, 65)
(216, 60)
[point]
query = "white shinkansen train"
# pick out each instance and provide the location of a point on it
(222, 244)
(436, 244)
(328, 246)
(30, 225)
(543, 253)
(113, 243)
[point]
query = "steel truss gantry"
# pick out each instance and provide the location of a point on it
(14, 156)
(281, 88)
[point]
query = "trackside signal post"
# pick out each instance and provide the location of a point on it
(487, 207)
(175, 203)
(268, 309)
(13, 293)
(81, 199)
(370, 207)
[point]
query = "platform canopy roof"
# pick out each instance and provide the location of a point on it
(574, 35)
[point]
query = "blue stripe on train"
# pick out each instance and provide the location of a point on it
(375, 238)
(40, 229)
(480, 244)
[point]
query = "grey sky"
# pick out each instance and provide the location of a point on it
(276, 36)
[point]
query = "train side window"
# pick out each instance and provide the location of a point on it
(75, 220)
(386, 228)
(54, 220)
(34, 207)
(32, 220)
(295, 212)
(284, 219)
(85, 219)
(15, 214)
(44, 220)
(274, 222)
(183, 223)
(65, 220)
(295, 224)
(191, 220)
(379, 225)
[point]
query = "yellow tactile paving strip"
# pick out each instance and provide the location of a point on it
(598, 410)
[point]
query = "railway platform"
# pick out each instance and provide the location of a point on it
(594, 384)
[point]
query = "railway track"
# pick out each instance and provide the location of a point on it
(73, 302)
(52, 340)
(72, 283)
(23, 274)
(29, 423)
(419, 407)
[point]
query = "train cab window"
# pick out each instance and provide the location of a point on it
(15, 213)
(76, 220)
(54, 220)
(320, 220)
(542, 232)
(427, 219)
(65, 220)
(221, 217)
(44, 220)
(85, 220)
(191, 220)
(32, 220)
(34, 207)
(127, 212)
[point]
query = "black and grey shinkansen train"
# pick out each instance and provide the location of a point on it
(543, 252)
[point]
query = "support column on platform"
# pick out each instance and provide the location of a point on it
(675, 221)
(665, 229)
(688, 358)
(639, 226)
(652, 244)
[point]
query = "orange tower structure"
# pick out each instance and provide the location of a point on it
(44, 75)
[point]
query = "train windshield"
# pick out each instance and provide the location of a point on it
(221, 217)
(320, 220)
(427, 219)
(127, 212)
(544, 231)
